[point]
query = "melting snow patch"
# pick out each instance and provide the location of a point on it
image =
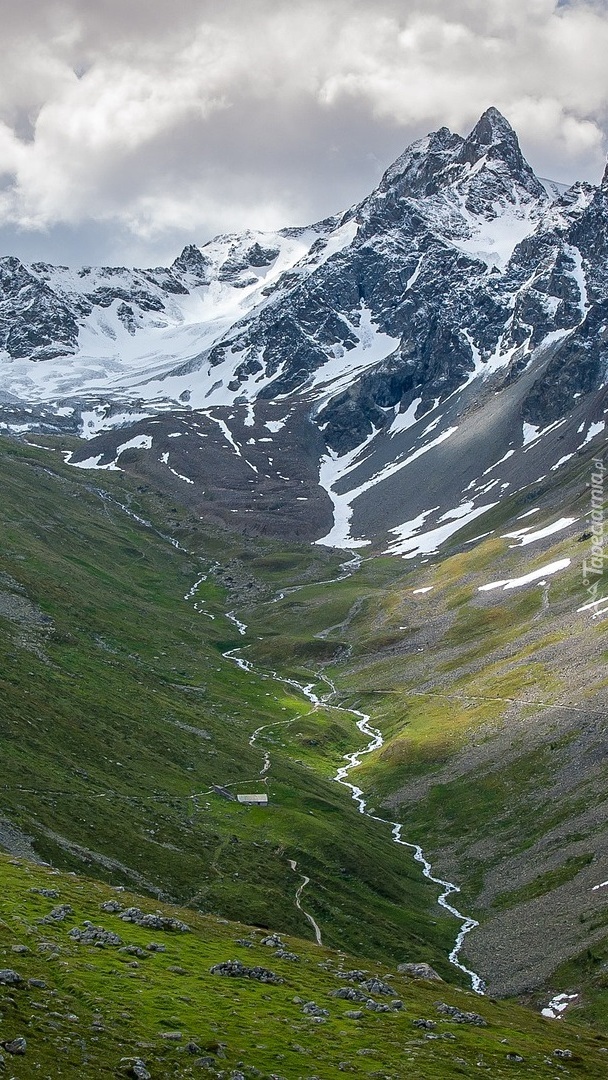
(535, 575)
(561, 461)
(275, 425)
(175, 435)
(594, 429)
(529, 513)
(89, 463)
(558, 1005)
(530, 433)
(138, 442)
(410, 543)
(429, 588)
(526, 537)
(404, 420)
(95, 420)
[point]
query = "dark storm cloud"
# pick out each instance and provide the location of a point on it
(129, 129)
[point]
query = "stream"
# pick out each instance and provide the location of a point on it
(353, 760)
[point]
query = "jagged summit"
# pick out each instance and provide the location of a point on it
(605, 177)
(492, 129)
(443, 159)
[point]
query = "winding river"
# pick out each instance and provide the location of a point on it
(342, 776)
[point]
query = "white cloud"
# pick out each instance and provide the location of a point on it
(171, 121)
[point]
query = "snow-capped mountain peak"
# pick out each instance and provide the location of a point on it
(366, 340)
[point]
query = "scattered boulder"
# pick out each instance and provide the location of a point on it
(419, 971)
(376, 1006)
(172, 1036)
(58, 914)
(283, 954)
(459, 1016)
(355, 975)
(154, 946)
(49, 894)
(273, 941)
(235, 969)
(245, 943)
(8, 977)
(136, 1068)
(134, 950)
(354, 1014)
(21, 950)
(376, 986)
(564, 1055)
(311, 1009)
(192, 1048)
(515, 1058)
(39, 984)
(94, 935)
(425, 1025)
(349, 993)
(111, 907)
(16, 1046)
(153, 922)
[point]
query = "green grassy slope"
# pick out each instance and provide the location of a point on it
(92, 1011)
(118, 712)
(492, 707)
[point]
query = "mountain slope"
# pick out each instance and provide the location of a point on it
(148, 1004)
(335, 359)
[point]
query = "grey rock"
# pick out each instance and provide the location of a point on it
(59, 913)
(354, 1014)
(424, 1025)
(376, 986)
(111, 907)
(9, 977)
(16, 1046)
(135, 1067)
(564, 1055)
(419, 971)
(153, 921)
(311, 1009)
(459, 1016)
(273, 940)
(235, 969)
(349, 993)
(94, 935)
(283, 954)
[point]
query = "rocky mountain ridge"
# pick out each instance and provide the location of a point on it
(367, 351)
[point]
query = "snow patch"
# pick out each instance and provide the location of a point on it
(535, 575)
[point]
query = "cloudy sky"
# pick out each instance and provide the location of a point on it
(131, 127)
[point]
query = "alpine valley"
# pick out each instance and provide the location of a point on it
(314, 515)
